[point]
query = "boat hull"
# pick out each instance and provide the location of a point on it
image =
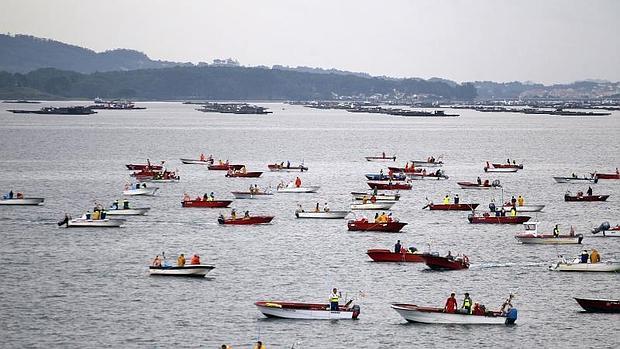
(138, 211)
(247, 221)
(470, 185)
(452, 207)
(419, 176)
(187, 270)
(587, 267)
(586, 198)
(141, 167)
(305, 311)
(380, 158)
(141, 191)
(197, 162)
(427, 315)
(519, 166)
(526, 208)
(497, 220)
(385, 255)
(379, 197)
(444, 263)
(224, 167)
(501, 169)
(278, 168)
(322, 215)
(383, 205)
(574, 180)
(388, 227)
(206, 204)
(22, 202)
(593, 305)
(98, 223)
(248, 195)
(539, 239)
(310, 189)
(381, 185)
(244, 175)
(417, 163)
(606, 175)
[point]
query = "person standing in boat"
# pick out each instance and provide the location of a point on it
(520, 200)
(195, 259)
(492, 206)
(212, 197)
(556, 231)
(456, 199)
(325, 208)
(316, 208)
(334, 298)
(507, 305)
(583, 257)
(595, 257)
(467, 303)
(589, 191)
(479, 181)
(513, 201)
(156, 262)
(397, 247)
(451, 304)
(233, 214)
(446, 199)
(259, 345)
(181, 260)
(297, 182)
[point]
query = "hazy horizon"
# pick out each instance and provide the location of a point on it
(547, 42)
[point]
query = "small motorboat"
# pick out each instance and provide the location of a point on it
(380, 158)
(141, 167)
(525, 208)
(196, 270)
(492, 219)
(143, 190)
(572, 180)
(451, 207)
(531, 236)
(307, 311)
(379, 196)
(575, 266)
(483, 185)
(365, 225)
(597, 305)
(252, 195)
(428, 315)
(308, 189)
(607, 230)
(384, 177)
(615, 175)
(286, 168)
(252, 220)
(84, 222)
(161, 180)
(411, 169)
(133, 211)
(385, 255)
(156, 176)
(206, 162)
(21, 201)
(381, 205)
(241, 174)
(321, 214)
(224, 167)
(436, 262)
(518, 166)
(427, 176)
(501, 169)
(383, 185)
(422, 163)
(206, 203)
(568, 197)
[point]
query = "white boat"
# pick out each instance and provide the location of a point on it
(134, 211)
(22, 201)
(383, 205)
(380, 197)
(575, 179)
(248, 195)
(526, 208)
(428, 176)
(309, 189)
(150, 191)
(199, 270)
(167, 180)
(307, 311)
(532, 236)
(322, 214)
(94, 223)
(428, 315)
(575, 266)
(418, 163)
(501, 169)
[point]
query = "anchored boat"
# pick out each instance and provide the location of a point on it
(196, 270)
(286, 168)
(206, 203)
(450, 207)
(482, 185)
(597, 305)
(385, 255)
(575, 266)
(321, 214)
(489, 219)
(575, 179)
(436, 262)
(308, 189)
(143, 190)
(382, 205)
(205, 162)
(423, 163)
(531, 236)
(525, 208)
(365, 225)
(380, 158)
(382, 185)
(251, 195)
(587, 198)
(22, 201)
(307, 311)
(252, 220)
(429, 315)
(133, 211)
(378, 197)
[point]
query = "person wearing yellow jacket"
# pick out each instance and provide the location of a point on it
(595, 257)
(181, 260)
(259, 345)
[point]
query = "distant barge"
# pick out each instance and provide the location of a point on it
(233, 108)
(57, 111)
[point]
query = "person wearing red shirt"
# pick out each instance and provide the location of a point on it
(451, 304)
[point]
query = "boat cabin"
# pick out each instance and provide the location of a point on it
(531, 228)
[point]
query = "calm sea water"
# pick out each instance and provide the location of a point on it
(83, 288)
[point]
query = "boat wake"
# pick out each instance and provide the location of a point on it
(507, 265)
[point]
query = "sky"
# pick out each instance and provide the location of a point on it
(548, 41)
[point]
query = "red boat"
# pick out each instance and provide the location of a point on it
(451, 207)
(594, 305)
(568, 197)
(205, 203)
(606, 175)
(383, 185)
(140, 167)
(519, 166)
(445, 263)
(224, 167)
(245, 221)
(489, 219)
(365, 225)
(385, 255)
(405, 170)
(238, 174)
(484, 185)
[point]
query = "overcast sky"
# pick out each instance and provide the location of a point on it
(535, 40)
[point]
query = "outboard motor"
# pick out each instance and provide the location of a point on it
(580, 238)
(356, 311)
(220, 219)
(603, 227)
(511, 316)
(496, 183)
(64, 221)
